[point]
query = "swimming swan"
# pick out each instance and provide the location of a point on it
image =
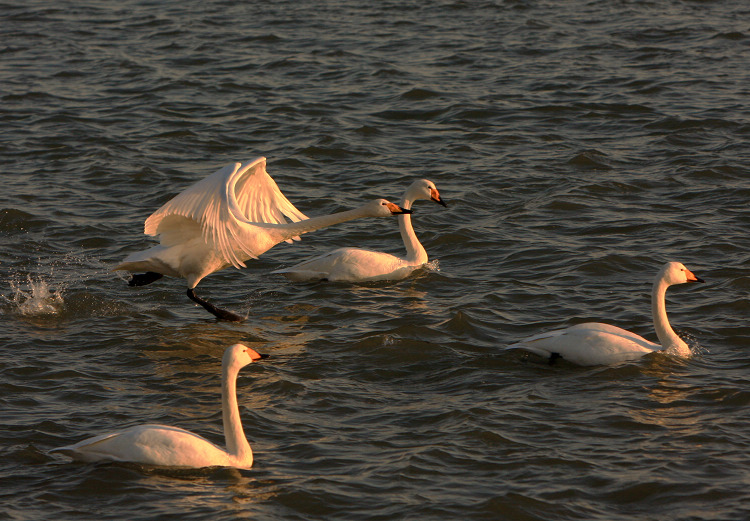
(233, 215)
(174, 447)
(594, 343)
(356, 265)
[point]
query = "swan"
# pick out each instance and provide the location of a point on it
(235, 214)
(357, 265)
(594, 343)
(163, 445)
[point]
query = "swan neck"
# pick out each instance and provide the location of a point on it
(415, 252)
(316, 223)
(667, 337)
(234, 435)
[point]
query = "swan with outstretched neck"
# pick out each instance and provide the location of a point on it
(594, 343)
(233, 215)
(163, 445)
(358, 265)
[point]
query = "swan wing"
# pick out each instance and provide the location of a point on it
(225, 204)
(349, 265)
(149, 444)
(258, 197)
(616, 334)
(591, 343)
(314, 268)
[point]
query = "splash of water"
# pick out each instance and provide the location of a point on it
(36, 297)
(696, 349)
(42, 292)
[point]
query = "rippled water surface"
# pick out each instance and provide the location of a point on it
(580, 145)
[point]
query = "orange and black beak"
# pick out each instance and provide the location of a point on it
(691, 277)
(435, 196)
(396, 209)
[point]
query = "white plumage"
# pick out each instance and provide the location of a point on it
(174, 447)
(594, 343)
(358, 265)
(233, 215)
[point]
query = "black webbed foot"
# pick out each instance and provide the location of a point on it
(553, 357)
(141, 279)
(221, 314)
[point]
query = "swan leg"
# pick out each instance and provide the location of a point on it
(553, 358)
(221, 314)
(141, 279)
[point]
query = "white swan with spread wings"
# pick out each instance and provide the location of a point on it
(233, 215)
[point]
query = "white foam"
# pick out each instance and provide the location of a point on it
(36, 297)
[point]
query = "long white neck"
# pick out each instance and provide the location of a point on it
(415, 252)
(234, 435)
(667, 337)
(290, 230)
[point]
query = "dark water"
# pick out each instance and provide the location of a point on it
(579, 144)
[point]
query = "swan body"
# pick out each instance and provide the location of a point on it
(233, 215)
(594, 343)
(163, 445)
(358, 265)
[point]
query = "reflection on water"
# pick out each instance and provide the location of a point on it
(672, 407)
(215, 488)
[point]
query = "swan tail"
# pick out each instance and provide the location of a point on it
(530, 347)
(75, 450)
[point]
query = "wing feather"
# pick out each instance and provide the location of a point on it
(225, 204)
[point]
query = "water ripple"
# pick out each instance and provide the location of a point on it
(579, 148)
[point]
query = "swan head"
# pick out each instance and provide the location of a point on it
(424, 189)
(239, 355)
(677, 273)
(382, 208)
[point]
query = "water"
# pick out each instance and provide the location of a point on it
(579, 145)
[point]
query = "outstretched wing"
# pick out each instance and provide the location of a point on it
(257, 197)
(223, 203)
